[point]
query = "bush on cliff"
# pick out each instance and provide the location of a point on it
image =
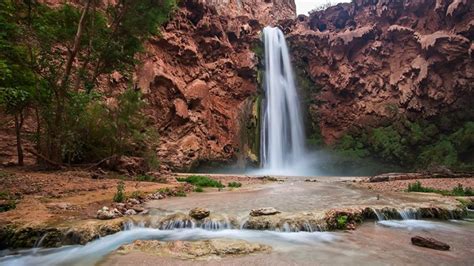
(413, 144)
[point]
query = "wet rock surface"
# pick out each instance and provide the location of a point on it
(199, 213)
(195, 250)
(264, 211)
(429, 243)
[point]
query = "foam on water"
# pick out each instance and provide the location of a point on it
(411, 224)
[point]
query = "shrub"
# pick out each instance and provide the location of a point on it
(8, 205)
(417, 187)
(351, 147)
(9, 202)
(442, 152)
(198, 189)
(137, 194)
(166, 191)
(120, 194)
(460, 191)
(388, 142)
(144, 177)
(180, 193)
(456, 191)
(201, 181)
(341, 222)
(234, 184)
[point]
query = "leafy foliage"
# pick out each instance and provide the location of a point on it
(201, 181)
(342, 221)
(120, 194)
(9, 202)
(50, 61)
(456, 191)
(96, 130)
(413, 144)
(144, 177)
(234, 184)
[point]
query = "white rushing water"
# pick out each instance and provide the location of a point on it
(282, 136)
(93, 252)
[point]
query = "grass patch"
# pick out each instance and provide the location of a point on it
(198, 189)
(201, 181)
(145, 177)
(9, 203)
(138, 194)
(180, 193)
(166, 191)
(459, 190)
(234, 184)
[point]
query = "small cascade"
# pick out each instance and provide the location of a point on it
(396, 214)
(177, 224)
(211, 224)
(40, 241)
(287, 227)
(183, 221)
(409, 214)
(379, 214)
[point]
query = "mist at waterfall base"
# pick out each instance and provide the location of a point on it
(283, 148)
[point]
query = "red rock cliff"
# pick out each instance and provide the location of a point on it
(372, 59)
(196, 76)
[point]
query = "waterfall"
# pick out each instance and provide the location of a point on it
(282, 138)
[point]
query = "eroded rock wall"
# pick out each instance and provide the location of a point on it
(371, 60)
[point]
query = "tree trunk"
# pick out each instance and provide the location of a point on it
(75, 48)
(19, 148)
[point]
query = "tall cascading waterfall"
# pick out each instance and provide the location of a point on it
(282, 136)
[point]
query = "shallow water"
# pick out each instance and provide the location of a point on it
(370, 244)
(292, 196)
(94, 251)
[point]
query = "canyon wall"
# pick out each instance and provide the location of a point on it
(198, 77)
(372, 60)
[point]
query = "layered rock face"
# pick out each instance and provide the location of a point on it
(373, 60)
(198, 76)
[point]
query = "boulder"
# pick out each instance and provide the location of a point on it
(133, 201)
(264, 211)
(138, 209)
(106, 214)
(427, 242)
(199, 213)
(130, 212)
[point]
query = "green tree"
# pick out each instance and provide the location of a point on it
(62, 52)
(16, 77)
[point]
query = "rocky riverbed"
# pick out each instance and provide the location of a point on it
(293, 206)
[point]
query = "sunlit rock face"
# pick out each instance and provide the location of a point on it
(373, 60)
